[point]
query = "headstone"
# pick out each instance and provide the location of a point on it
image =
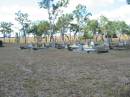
(1, 43)
(97, 33)
(30, 46)
(92, 44)
(106, 42)
(80, 47)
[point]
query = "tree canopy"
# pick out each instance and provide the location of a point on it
(39, 28)
(23, 20)
(53, 7)
(6, 27)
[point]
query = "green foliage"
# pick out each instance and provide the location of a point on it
(102, 23)
(90, 29)
(92, 25)
(40, 28)
(53, 7)
(81, 14)
(123, 26)
(112, 27)
(23, 20)
(88, 35)
(54, 4)
(5, 27)
(128, 30)
(43, 28)
(74, 27)
(64, 21)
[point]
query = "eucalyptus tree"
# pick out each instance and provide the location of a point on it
(63, 24)
(123, 28)
(116, 27)
(53, 7)
(43, 28)
(82, 15)
(102, 25)
(110, 30)
(24, 22)
(88, 34)
(6, 28)
(92, 25)
(128, 33)
(128, 30)
(39, 29)
(73, 28)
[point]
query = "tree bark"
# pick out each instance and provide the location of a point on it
(102, 37)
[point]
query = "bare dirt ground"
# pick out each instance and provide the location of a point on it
(61, 73)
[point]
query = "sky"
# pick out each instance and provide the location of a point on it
(112, 9)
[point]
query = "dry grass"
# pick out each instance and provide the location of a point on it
(57, 39)
(60, 73)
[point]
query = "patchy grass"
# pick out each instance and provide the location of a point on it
(60, 73)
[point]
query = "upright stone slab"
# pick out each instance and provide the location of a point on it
(1, 43)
